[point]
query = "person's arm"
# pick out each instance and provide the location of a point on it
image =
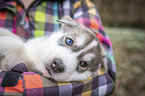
(87, 14)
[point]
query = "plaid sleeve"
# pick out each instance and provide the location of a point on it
(32, 84)
(87, 14)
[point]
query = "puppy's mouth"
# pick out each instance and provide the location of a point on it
(48, 70)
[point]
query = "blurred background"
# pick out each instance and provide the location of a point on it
(124, 22)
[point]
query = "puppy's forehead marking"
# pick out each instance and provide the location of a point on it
(83, 40)
(88, 57)
(89, 46)
(80, 40)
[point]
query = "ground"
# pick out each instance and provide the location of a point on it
(129, 50)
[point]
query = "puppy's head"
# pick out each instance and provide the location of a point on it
(73, 53)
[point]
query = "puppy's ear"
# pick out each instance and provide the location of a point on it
(67, 21)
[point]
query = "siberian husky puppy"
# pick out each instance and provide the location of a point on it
(72, 53)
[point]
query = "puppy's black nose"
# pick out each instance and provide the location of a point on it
(57, 66)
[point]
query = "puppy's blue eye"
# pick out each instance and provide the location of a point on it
(68, 41)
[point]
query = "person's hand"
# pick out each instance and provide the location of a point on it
(0, 70)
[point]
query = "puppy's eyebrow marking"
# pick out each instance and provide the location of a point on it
(91, 45)
(88, 57)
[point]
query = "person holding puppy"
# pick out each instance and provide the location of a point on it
(34, 18)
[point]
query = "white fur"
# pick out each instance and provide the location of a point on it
(11, 48)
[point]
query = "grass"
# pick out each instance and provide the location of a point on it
(129, 50)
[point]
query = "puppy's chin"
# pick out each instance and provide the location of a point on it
(71, 77)
(47, 73)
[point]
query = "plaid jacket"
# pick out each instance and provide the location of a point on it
(41, 19)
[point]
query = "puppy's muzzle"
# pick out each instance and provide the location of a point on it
(57, 66)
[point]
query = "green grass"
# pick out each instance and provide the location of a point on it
(129, 50)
